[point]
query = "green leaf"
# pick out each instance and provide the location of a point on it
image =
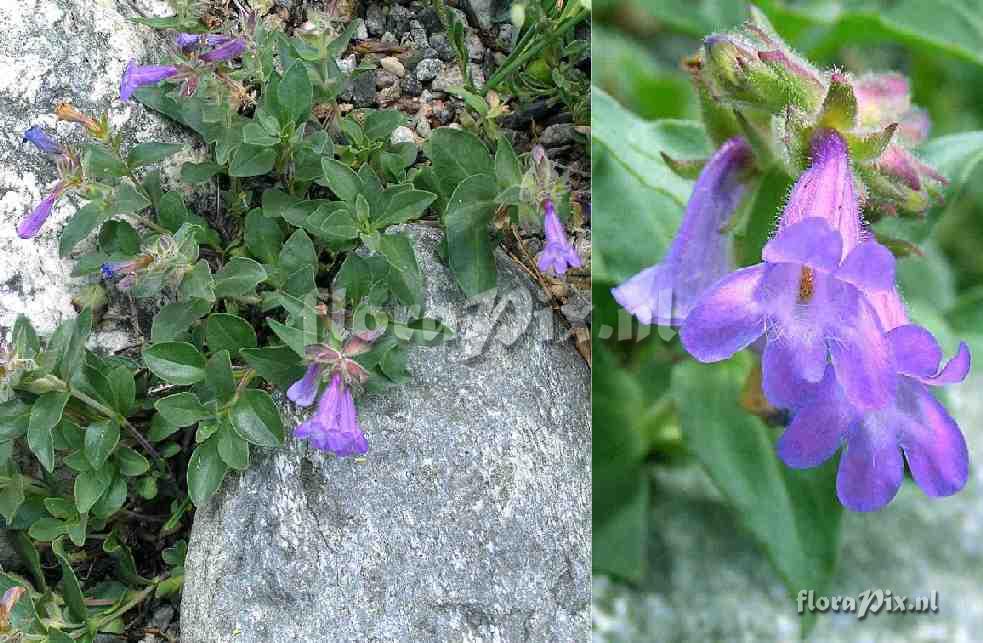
(89, 487)
(100, 440)
(254, 134)
(263, 236)
(174, 320)
(456, 155)
(12, 493)
(295, 93)
(405, 278)
(205, 472)
(45, 415)
(793, 513)
(229, 332)
(233, 450)
(195, 173)
(24, 338)
(636, 145)
(99, 162)
(123, 386)
(198, 283)
(71, 590)
(47, 529)
(404, 206)
(256, 419)
(508, 171)
(239, 276)
(83, 222)
(219, 376)
(278, 365)
(126, 565)
(14, 419)
(354, 278)
(182, 409)
(298, 260)
(131, 463)
(147, 153)
(340, 178)
(470, 252)
(380, 123)
(332, 221)
(175, 362)
(295, 338)
(251, 160)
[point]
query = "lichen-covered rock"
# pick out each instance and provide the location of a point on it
(469, 519)
(52, 51)
(708, 581)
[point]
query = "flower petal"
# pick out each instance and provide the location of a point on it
(811, 242)
(817, 429)
(870, 267)
(933, 444)
(303, 391)
(871, 467)
(727, 318)
(954, 371)
(648, 295)
(915, 350)
(861, 354)
(782, 381)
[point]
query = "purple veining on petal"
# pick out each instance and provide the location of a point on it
(137, 76)
(191, 41)
(701, 252)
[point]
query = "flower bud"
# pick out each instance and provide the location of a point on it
(67, 112)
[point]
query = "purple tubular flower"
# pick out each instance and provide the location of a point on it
(913, 424)
(700, 254)
(559, 254)
(42, 141)
(228, 50)
(334, 425)
(303, 391)
(137, 76)
(807, 296)
(31, 224)
(192, 41)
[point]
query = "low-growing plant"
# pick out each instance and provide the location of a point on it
(287, 280)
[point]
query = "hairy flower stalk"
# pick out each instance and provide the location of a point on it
(807, 296)
(559, 254)
(334, 426)
(701, 253)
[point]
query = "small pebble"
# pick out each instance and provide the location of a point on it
(428, 69)
(392, 65)
(402, 134)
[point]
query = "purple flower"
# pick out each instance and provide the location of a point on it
(701, 253)
(137, 76)
(42, 141)
(228, 50)
(559, 253)
(334, 425)
(192, 41)
(31, 224)
(807, 296)
(303, 391)
(913, 424)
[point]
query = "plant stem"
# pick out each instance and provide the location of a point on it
(108, 412)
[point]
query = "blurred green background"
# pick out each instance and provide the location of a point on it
(665, 426)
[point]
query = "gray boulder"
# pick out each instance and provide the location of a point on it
(468, 520)
(708, 581)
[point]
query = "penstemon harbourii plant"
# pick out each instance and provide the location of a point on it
(819, 301)
(284, 285)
